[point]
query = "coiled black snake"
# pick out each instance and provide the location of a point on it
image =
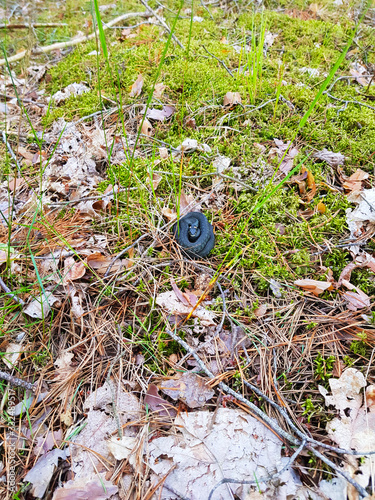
(195, 234)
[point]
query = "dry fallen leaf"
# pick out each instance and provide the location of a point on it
(160, 114)
(158, 91)
(186, 202)
(231, 99)
(207, 446)
(362, 218)
(156, 178)
(333, 159)
(123, 448)
(157, 404)
(146, 128)
(355, 299)
(97, 488)
(189, 388)
(357, 71)
(287, 163)
(314, 286)
(12, 355)
(362, 260)
(40, 307)
(190, 122)
(41, 473)
(169, 213)
(355, 181)
(171, 304)
(137, 86)
(73, 270)
(354, 427)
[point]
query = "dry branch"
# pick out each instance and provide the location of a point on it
(74, 41)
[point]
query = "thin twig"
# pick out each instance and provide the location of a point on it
(11, 151)
(73, 42)
(272, 424)
(162, 22)
(220, 61)
(30, 25)
(269, 421)
(17, 382)
(9, 292)
(347, 101)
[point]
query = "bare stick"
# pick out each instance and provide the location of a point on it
(74, 41)
(269, 421)
(220, 61)
(343, 473)
(11, 151)
(17, 382)
(163, 23)
(31, 25)
(11, 294)
(272, 424)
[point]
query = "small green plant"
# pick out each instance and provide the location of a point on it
(309, 409)
(358, 347)
(255, 59)
(348, 361)
(324, 367)
(311, 325)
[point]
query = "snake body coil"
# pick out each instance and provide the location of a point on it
(195, 234)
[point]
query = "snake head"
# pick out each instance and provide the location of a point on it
(193, 230)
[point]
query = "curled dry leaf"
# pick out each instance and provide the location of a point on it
(163, 153)
(363, 216)
(156, 178)
(314, 286)
(12, 354)
(187, 202)
(40, 307)
(333, 159)
(146, 128)
(97, 488)
(40, 475)
(123, 448)
(191, 145)
(160, 114)
(189, 388)
(355, 181)
(231, 99)
(169, 213)
(73, 270)
(355, 299)
(261, 310)
(159, 89)
(287, 163)
(171, 304)
(99, 263)
(362, 260)
(137, 87)
(190, 122)
(358, 70)
(158, 404)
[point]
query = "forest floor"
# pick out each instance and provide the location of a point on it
(129, 370)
